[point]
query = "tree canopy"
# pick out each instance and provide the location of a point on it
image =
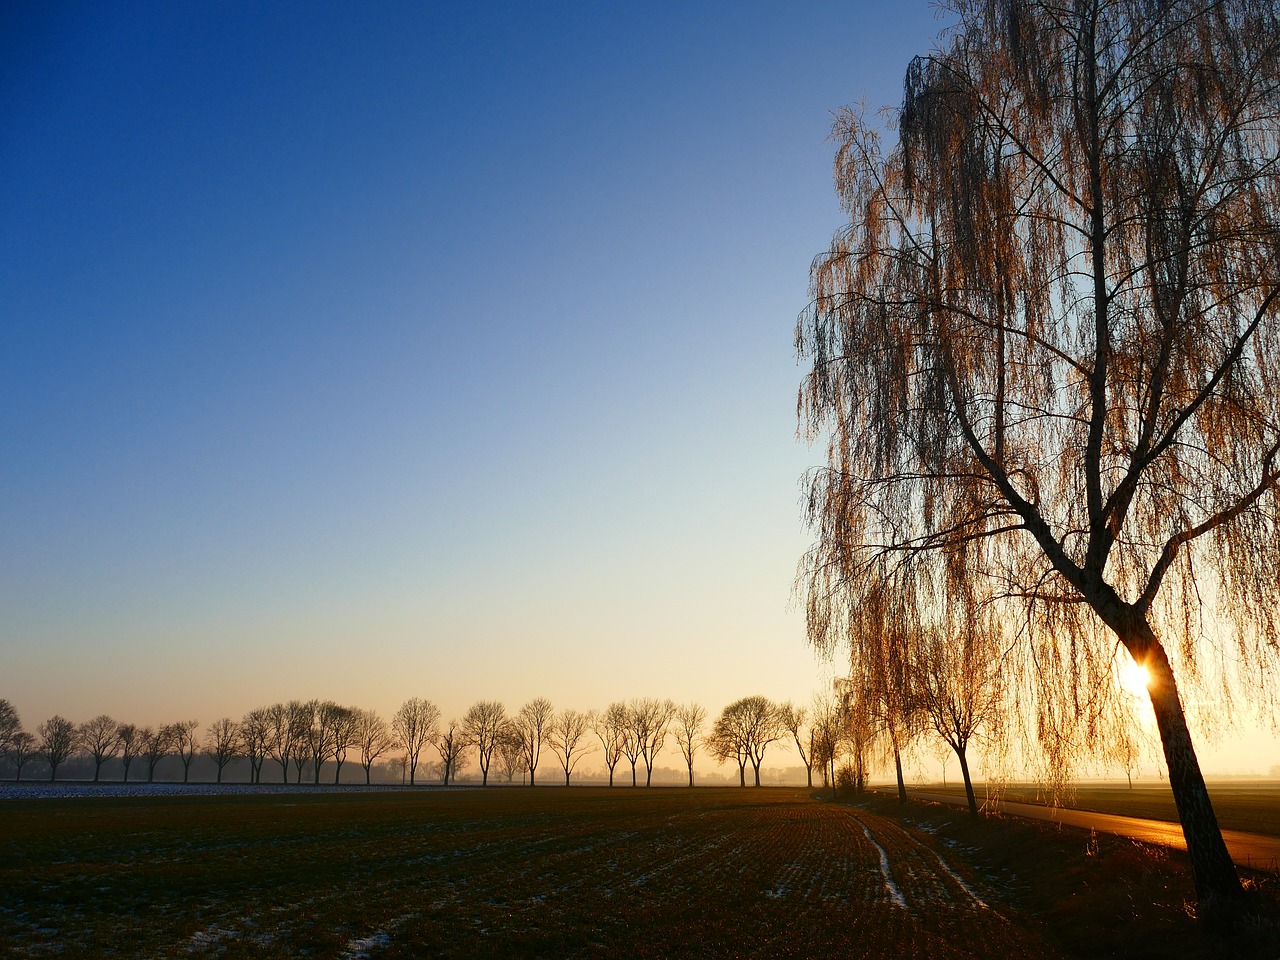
(1046, 359)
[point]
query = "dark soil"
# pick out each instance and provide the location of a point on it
(1096, 895)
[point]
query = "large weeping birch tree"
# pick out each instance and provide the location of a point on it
(1046, 359)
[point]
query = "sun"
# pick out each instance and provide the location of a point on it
(1134, 678)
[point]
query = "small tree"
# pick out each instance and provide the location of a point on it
(344, 721)
(482, 725)
(650, 722)
(56, 739)
(373, 738)
(689, 719)
(255, 735)
(510, 752)
(794, 721)
(223, 743)
(10, 724)
(130, 744)
(100, 738)
(530, 727)
(155, 743)
(22, 750)
(451, 744)
(565, 735)
(414, 726)
(959, 679)
(744, 731)
(610, 726)
(185, 743)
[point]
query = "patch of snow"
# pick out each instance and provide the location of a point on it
(361, 949)
(894, 893)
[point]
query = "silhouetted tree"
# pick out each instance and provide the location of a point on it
(56, 738)
(155, 743)
(451, 744)
(344, 720)
(611, 726)
(794, 721)
(959, 680)
(373, 738)
(482, 725)
(1045, 349)
(185, 743)
(56, 742)
(256, 732)
(747, 727)
(567, 731)
(100, 738)
(10, 724)
(223, 743)
(510, 753)
(650, 721)
(530, 726)
(22, 750)
(688, 722)
(130, 738)
(415, 725)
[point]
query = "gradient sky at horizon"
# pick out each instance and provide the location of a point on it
(374, 351)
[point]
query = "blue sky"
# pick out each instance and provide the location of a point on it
(377, 350)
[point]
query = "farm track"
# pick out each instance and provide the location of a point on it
(503, 873)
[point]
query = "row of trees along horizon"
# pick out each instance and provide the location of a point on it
(1045, 351)
(302, 737)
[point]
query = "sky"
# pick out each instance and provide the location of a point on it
(368, 351)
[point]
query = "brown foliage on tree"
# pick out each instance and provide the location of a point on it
(1046, 355)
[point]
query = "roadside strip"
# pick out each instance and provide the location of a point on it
(1253, 850)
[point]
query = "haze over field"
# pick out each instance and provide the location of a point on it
(374, 352)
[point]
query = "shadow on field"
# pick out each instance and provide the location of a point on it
(1094, 895)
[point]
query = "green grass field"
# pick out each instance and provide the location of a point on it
(1251, 806)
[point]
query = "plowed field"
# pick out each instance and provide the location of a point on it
(494, 873)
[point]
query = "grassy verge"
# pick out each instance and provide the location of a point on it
(1253, 807)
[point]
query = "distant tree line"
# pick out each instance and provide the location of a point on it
(306, 740)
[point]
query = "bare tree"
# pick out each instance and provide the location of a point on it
(256, 731)
(756, 722)
(100, 738)
(728, 741)
(280, 740)
(960, 687)
(223, 743)
(415, 725)
(56, 738)
(482, 725)
(373, 737)
(185, 743)
(155, 743)
(611, 726)
(1045, 353)
(510, 752)
(530, 724)
(565, 734)
(451, 744)
(10, 724)
(827, 735)
(650, 722)
(795, 721)
(22, 750)
(301, 719)
(631, 744)
(344, 721)
(689, 719)
(130, 738)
